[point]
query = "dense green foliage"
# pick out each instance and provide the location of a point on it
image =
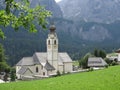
(3, 64)
(25, 16)
(19, 15)
(83, 62)
(12, 74)
(99, 53)
(107, 79)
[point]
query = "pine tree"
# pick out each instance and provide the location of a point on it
(12, 75)
(3, 64)
(96, 53)
(83, 62)
(102, 54)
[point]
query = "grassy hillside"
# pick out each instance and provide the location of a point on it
(107, 79)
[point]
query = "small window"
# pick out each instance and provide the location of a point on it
(48, 42)
(55, 42)
(36, 69)
(43, 73)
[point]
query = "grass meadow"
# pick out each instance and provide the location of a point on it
(106, 79)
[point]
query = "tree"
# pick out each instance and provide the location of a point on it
(96, 53)
(102, 54)
(99, 53)
(84, 61)
(26, 16)
(12, 75)
(58, 73)
(3, 64)
(109, 62)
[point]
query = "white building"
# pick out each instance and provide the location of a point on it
(45, 64)
(115, 56)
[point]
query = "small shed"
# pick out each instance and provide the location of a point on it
(96, 62)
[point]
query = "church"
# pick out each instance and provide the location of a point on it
(45, 64)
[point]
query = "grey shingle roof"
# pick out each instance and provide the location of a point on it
(26, 61)
(41, 57)
(48, 67)
(96, 62)
(64, 57)
(23, 70)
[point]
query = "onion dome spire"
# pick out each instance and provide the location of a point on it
(52, 28)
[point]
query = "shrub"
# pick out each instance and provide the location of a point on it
(114, 63)
(12, 75)
(90, 69)
(58, 73)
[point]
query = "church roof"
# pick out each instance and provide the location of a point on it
(64, 57)
(26, 61)
(41, 57)
(23, 70)
(49, 67)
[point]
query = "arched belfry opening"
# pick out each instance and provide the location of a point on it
(48, 42)
(55, 42)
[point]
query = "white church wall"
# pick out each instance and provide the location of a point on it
(68, 67)
(18, 76)
(32, 68)
(44, 72)
(28, 73)
(60, 68)
(17, 69)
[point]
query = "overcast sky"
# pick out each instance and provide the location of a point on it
(57, 0)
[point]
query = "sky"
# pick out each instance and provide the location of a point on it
(57, 0)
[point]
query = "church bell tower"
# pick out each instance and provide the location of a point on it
(52, 48)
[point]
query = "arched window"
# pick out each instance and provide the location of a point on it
(43, 73)
(36, 69)
(48, 42)
(55, 42)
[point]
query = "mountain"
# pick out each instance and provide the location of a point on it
(50, 5)
(104, 11)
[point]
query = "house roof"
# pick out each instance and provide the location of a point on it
(96, 62)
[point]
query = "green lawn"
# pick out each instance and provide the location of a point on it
(107, 79)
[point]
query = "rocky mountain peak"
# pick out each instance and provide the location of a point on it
(49, 5)
(103, 11)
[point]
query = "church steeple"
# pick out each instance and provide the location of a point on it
(52, 47)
